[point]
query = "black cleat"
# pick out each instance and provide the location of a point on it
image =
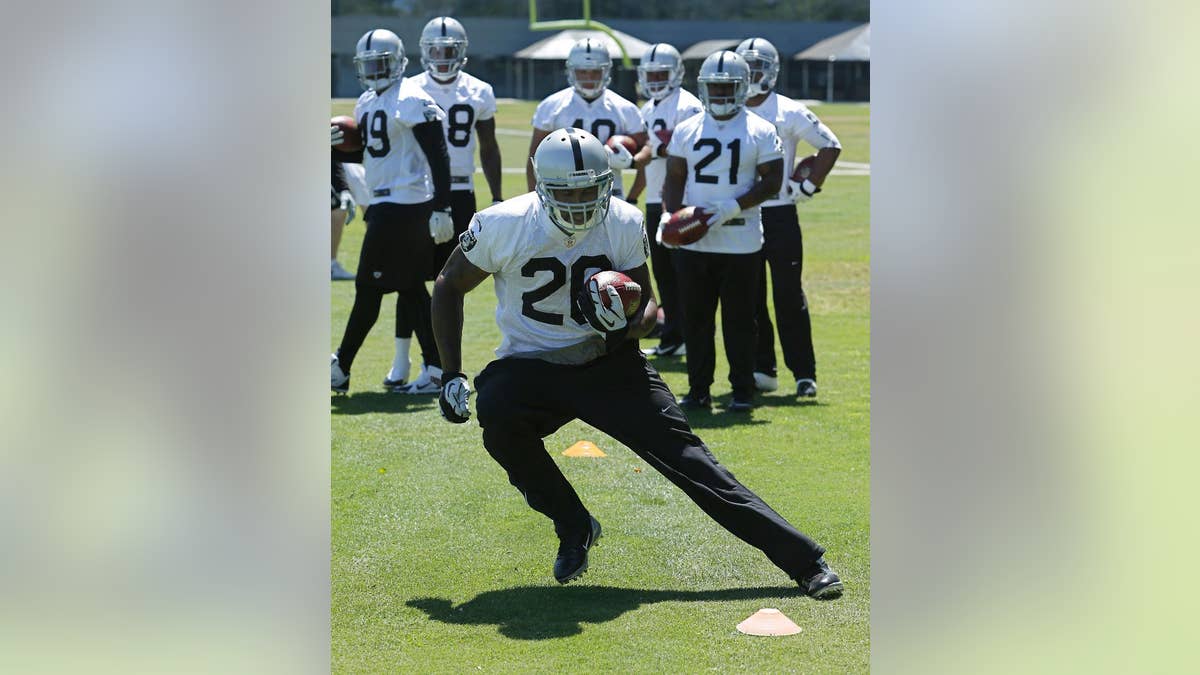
(740, 405)
(806, 388)
(820, 582)
(394, 385)
(572, 560)
(695, 401)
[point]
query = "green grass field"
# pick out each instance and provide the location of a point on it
(438, 564)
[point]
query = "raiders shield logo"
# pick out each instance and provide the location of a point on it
(466, 241)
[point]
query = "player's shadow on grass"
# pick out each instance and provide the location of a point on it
(543, 612)
(361, 403)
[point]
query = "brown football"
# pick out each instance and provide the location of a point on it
(804, 168)
(629, 290)
(353, 140)
(630, 144)
(686, 226)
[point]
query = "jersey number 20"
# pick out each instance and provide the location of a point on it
(558, 271)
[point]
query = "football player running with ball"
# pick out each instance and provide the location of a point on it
(408, 173)
(783, 246)
(470, 120)
(590, 105)
(727, 161)
(568, 352)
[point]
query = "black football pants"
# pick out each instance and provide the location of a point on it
(783, 249)
(705, 279)
(521, 401)
(664, 279)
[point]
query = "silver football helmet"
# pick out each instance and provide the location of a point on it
(443, 48)
(728, 71)
(379, 59)
(589, 54)
(762, 57)
(659, 58)
(574, 181)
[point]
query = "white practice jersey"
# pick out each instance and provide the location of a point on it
(794, 122)
(665, 116)
(538, 269)
(397, 170)
(722, 163)
(606, 116)
(466, 100)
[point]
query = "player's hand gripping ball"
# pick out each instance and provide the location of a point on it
(686, 226)
(628, 291)
(343, 134)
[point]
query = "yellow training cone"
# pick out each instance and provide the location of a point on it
(584, 449)
(768, 621)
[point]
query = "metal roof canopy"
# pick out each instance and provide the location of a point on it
(557, 46)
(853, 45)
(701, 50)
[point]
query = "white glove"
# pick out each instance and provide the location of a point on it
(609, 318)
(336, 135)
(619, 157)
(348, 205)
(662, 222)
(441, 226)
(722, 211)
(801, 192)
(455, 399)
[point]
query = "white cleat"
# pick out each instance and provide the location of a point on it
(764, 382)
(339, 381)
(806, 388)
(339, 273)
(428, 382)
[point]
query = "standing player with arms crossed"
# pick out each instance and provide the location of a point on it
(470, 109)
(783, 245)
(590, 105)
(564, 355)
(408, 172)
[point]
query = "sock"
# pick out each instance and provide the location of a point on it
(400, 364)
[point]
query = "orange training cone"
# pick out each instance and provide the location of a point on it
(768, 621)
(584, 449)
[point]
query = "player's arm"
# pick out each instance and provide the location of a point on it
(827, 145)
(534, 141)
(457, 278)
(489, 155)
(673, 184)
(649, 307)
(432, 139)
(770, 180)
(639, 184)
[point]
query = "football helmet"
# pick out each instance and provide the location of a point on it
(443, 48)
(589, 54)
(379, 59)
(762, 57)
(660, 57)
(723, 68)
(574, 181)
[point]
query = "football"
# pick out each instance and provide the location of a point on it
(630, 144)
(664, 136)
(353, 140)
(686, 226)
(804, 168)
(628, 289)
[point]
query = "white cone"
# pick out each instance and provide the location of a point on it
(768, 621)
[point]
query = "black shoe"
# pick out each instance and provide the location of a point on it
(806, 388)
(820, 582)
(740, 405)
(572, 560)
(696, 401)
(394, 385)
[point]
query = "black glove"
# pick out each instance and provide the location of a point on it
(454, 398)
